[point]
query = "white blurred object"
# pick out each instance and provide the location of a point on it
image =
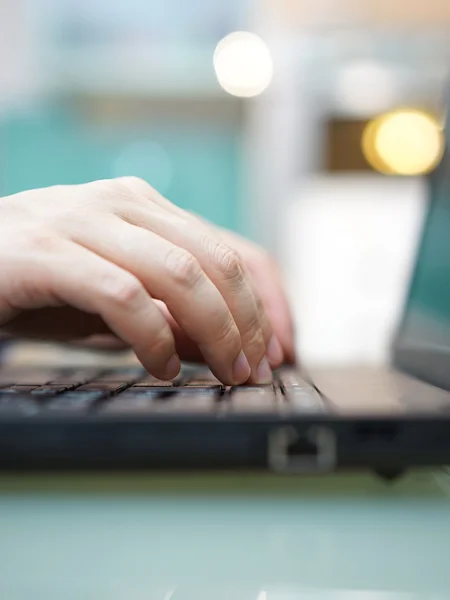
(364, 88)
(349, 248)
(243, 64)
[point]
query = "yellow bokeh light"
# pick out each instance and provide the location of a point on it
(243, 64)
(403, 142)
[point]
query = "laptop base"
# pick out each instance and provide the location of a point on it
(74, 419)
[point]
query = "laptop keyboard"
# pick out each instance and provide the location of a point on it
(132, 391)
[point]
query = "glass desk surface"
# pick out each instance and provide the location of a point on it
(220, 537)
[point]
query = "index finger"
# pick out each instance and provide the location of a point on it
(90, 283)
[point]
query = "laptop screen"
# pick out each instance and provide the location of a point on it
(423, 344)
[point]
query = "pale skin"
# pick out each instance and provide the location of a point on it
(114, 263)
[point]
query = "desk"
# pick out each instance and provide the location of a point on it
(221, 537)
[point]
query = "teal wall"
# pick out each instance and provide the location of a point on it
(55, 147)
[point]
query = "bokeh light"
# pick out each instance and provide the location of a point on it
(366, 88)
(403, 142)
(243, 64)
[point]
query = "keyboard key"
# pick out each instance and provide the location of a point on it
(150, 381)
(17, 389)
(49, 390)
(152, 390)
(124, 404)
(252, 399)
(201, 378)
(290, 377)
(196, 401)
(73, 402)
(103, 386)
(130, 374)
(303, 400)
(152, 403)
(203, 384)
(76, 377)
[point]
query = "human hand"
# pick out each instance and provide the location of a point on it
(265, 279)
(115, 257)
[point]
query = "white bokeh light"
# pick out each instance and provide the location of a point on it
(243, 64)
(364, 88)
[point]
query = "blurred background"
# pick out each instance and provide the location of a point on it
(307, 125)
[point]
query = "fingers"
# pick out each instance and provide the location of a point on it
(86, 281)
(111, 248)
(207, 255)
(276, 306)
(247, 251)
(187, 349)
(266, 278)
(275, 352)
(173, 275)
(141, 205)
(224, 267)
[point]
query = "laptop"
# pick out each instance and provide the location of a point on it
(387, 419)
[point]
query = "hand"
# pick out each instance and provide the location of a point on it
(116, 257)
(265, 279)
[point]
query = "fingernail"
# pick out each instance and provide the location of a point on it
(274, 351)
(264, 372)
(172, 367)
(241, 368)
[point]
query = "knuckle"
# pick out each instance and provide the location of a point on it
(135, 184)
(119, 193)
(229, 263)
(183, 268)
(126, 192)
(130, 180)
(123, 291)
(120, 188)
(107, 192)
(102, 186)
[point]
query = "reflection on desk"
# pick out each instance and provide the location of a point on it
(246, 538)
